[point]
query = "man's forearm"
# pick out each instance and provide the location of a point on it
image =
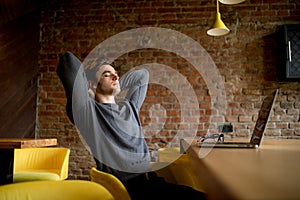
(137, 83)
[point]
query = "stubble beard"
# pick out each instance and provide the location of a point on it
(116, 91)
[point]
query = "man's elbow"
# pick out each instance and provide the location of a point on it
(144, 75)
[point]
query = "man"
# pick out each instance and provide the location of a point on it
(113, 129)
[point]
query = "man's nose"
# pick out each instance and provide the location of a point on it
(115, 77)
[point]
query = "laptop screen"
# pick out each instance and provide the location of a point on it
(263, 118)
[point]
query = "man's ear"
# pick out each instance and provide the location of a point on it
(91, 93)
(92, 89)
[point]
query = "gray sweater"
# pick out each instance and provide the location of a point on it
(113, 132)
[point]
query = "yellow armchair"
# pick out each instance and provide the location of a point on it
(172, 166)
(111, 183)
(179, 169)
(55, 190)
(32, 164)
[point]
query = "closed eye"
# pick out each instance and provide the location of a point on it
(109, 74)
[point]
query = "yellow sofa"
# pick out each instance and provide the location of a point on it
(55, 190)
(31, 164)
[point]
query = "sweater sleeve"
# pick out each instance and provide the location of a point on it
(71, 73)
(137, 83)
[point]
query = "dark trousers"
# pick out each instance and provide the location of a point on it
(156, 188)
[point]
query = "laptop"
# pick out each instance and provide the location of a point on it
(258, 130)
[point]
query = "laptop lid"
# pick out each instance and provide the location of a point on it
(258, 131)
(263, 118)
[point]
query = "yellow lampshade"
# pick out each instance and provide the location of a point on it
(231, 1)
(219, 28)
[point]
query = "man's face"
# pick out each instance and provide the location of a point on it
(108, 81)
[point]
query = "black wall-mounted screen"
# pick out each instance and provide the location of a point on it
(288, 60)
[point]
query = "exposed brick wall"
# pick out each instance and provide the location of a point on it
(245, 59)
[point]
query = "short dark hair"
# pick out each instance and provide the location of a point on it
(94, 65)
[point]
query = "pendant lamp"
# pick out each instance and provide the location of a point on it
(219, 28)
(231, 1)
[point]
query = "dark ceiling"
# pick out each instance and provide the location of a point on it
(12, 9)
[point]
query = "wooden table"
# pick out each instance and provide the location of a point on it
(7, 146)
(270, 172)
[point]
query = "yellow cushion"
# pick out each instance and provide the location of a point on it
(35, 176)
(55, 190)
